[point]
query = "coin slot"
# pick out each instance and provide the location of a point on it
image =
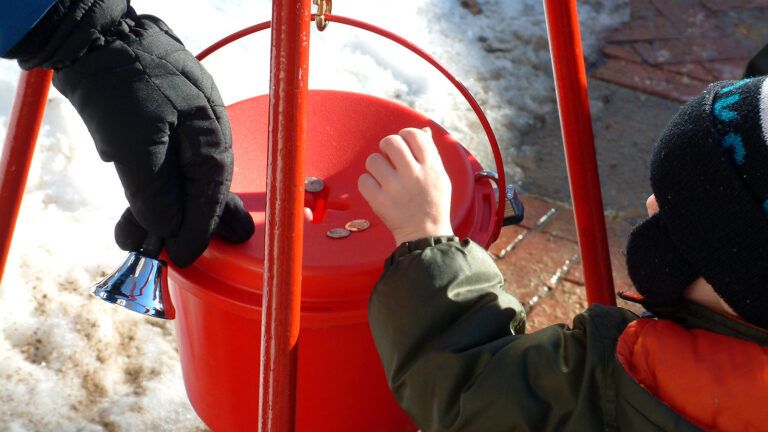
(316, 204)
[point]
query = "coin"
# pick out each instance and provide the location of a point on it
(313, 184)
(338, 233)
(357, 225)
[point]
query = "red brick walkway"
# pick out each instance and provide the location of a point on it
(540, 262)
(674, 48)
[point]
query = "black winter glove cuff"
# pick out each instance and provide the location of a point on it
(35, 41)
(67, 31)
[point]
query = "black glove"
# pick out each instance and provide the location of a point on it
(155, 112)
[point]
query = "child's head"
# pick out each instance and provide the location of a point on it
(709, 175)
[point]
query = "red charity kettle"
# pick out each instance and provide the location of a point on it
(340, 382)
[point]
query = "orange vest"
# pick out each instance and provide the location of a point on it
(714, 381)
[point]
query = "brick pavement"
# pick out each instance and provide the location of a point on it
(673, 49)
(541, 266)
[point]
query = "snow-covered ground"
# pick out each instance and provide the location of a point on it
(69, 362)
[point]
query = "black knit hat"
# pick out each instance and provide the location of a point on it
(709, 172)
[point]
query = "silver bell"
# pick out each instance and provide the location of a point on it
(140, 283)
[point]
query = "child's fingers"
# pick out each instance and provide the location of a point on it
(368, 186)
(420, 143)
(380, 168)
(398, 152)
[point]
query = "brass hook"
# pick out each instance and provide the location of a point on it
(324, 7)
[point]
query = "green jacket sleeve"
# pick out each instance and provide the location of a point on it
(446, 334)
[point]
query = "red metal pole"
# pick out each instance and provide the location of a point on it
(578, 140)
(23, 128)
(284, 216)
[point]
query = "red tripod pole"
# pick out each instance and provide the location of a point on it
(23, 128)
(284, 215)
(578, 140)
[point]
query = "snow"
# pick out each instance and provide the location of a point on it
(69, 362)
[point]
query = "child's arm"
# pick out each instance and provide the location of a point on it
(443, 323)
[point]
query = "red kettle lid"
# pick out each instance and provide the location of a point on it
(343, 129)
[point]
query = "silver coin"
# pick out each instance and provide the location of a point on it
(357, 225)
(313, 184)
(338, 233)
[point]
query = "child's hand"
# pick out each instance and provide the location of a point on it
(407, 186)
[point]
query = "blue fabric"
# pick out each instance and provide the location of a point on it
(733, 141)
(721, 108)
(17, 17)
(735, 86)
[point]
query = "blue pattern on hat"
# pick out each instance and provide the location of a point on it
(735, 86)
(722, 112)
(733, 141)
(733, 108)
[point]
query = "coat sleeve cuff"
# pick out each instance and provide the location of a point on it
(407, 248)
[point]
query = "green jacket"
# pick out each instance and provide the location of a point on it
(453, 347)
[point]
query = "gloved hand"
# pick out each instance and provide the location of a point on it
(155, 112)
